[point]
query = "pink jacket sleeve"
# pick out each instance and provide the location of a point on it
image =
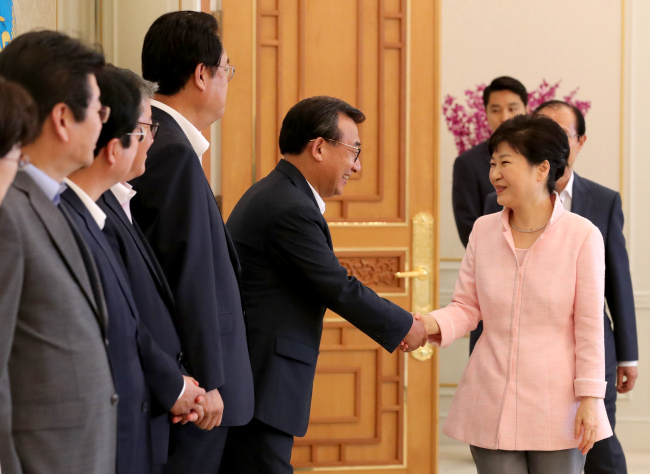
(463, 313)
(588, 318)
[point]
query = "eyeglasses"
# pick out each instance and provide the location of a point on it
(230, 71)
(104, 113)
(357, 149)
(153, 127)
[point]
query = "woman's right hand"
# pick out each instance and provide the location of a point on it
(430, 323)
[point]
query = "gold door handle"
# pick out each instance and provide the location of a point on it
(422, 273)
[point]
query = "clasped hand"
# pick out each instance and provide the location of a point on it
(203, 409)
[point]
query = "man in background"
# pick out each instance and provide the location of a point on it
(504, 98)
(602, 206)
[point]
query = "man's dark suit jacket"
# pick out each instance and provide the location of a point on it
(152, 297)
(290, 275)
(175, 208)
(137, 362)
(471, 186)
(602, 206)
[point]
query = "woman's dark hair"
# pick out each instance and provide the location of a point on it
(313, 118)
(18, 116)
(581, 128)
(537, 138)
(53, 68)
(175, 44)
(505, 83)
(122, 94)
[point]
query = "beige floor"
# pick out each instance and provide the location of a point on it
(458, 460)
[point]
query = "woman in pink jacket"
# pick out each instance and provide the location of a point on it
(531, 397)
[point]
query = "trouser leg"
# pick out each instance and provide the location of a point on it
(565, 461)
(496, 461)
(196, 451)
(257, 448)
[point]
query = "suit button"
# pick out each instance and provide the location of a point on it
(106, 342)
(180, 356)
(114, 399)
(145, 406)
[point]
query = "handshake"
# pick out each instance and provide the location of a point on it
(424, 329)
(204, 409)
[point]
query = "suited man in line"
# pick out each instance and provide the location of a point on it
(602, 206)
(150, 290)
(176, 210)
(290, 276)
(58, 408)
(504, 98)
(139, 365)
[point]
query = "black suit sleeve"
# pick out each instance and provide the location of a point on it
(298, 244)
(164, 377)
(179, 233)
(491, 204)
(618, 287)
(466, 199)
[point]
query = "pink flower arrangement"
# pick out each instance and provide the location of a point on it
(469, 123)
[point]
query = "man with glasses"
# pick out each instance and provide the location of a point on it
(290, 276)
(58, 406)
(602, 206)
(175, 208)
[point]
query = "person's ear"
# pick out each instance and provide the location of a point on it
(543, 170)
(61, 118)
(581, 142)
(113, 150)
(317, 149)
(201, 76)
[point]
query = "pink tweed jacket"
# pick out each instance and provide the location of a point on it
(542, 347)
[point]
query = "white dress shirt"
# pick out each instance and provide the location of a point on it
(319, 200)
(196, 138)
(124, 192)
(93, 208)
(566, 196)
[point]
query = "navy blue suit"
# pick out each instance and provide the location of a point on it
(152, 297)
(471, 185)
(602, 206)
(290, 276)
(131, 350)
(177, 212)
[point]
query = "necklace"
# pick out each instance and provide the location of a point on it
(526, 231)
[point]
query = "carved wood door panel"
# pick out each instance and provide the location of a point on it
(371, 410)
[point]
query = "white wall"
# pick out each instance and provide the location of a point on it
(579, 42)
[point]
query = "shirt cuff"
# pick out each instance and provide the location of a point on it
(182, 391)
(628, 363)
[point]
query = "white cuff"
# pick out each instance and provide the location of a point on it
(629, 363)
(182, 391)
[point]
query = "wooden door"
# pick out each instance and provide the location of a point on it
(371, 410)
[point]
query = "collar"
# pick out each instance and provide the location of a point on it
(568, 190)
(319, 200)
(50, 186)
(98, 215)
(558, 210)
(123, 192)
(196, 138)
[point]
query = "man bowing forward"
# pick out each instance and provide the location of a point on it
(290, 276)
